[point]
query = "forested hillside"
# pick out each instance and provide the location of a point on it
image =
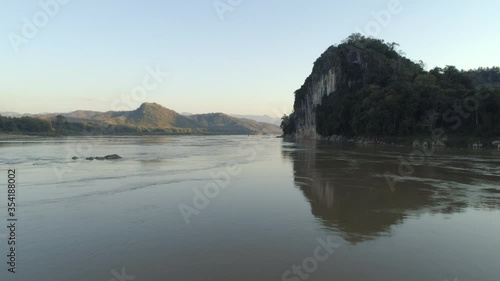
(380, 92)
(149, 118)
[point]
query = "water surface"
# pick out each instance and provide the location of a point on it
(82, 220)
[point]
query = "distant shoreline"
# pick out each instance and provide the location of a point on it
(14, 136)
(453, 141)
(4, 136)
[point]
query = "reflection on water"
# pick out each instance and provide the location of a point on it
(440, 222)
(349, 194)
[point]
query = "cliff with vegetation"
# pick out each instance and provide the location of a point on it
(367, 88)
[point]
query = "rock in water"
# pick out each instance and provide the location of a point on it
(112, 157)
(107, 157)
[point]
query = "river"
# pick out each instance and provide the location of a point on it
(249, 208)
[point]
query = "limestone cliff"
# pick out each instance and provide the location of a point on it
(366, 90)
(355, 90)
(322, 82)
(305, 106)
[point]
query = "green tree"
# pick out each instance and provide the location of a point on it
(60, 123)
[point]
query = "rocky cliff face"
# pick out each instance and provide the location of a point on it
(325, 102)
(309, 97)
(365, 90)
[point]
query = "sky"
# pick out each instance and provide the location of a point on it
(231, 56)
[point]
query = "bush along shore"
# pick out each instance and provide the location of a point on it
(445, 141)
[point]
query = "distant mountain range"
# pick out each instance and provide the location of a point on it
(152, 116)
(258, 118)
(12, 114)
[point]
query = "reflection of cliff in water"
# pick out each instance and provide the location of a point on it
(348, 193)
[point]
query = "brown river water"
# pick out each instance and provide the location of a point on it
(249, 208)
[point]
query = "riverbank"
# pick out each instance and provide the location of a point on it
(4, 136)
(21, 136)
(422, 140)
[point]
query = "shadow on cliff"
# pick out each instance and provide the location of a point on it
(349, 195)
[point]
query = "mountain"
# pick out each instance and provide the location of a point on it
(152, 117)
(11, 114)
(148, 115)
(366, 88)
(219, 122)
(75, 116)
(260, 118)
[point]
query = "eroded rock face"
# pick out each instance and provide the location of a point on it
(305, 108)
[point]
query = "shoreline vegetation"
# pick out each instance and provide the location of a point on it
(409, 141)
(18, 135)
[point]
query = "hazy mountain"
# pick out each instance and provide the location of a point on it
(260, 118)
(154, 116)
(75, 116)
(11, 114)
(225, 123)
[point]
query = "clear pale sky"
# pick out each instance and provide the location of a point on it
(91, 53)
